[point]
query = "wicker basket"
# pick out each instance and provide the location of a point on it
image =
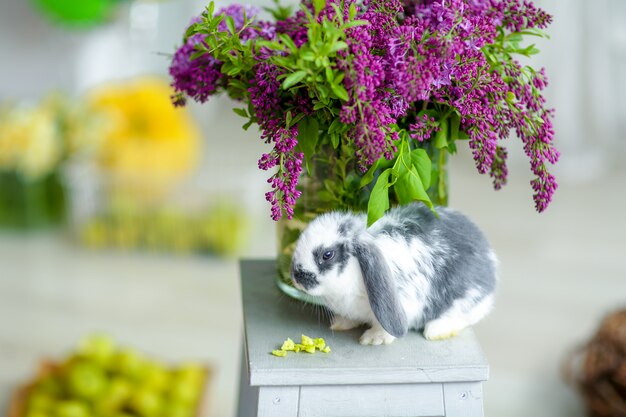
(17, 404)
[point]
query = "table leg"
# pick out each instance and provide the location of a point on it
(248, 395)
(278, 401)
(463, 399)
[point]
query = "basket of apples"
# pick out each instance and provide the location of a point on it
(102, 380)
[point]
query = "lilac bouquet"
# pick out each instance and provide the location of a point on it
(381, 90)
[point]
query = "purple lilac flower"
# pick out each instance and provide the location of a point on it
(450, 68)
(264, 96)
(196, 78)
(237, 12)
(412, 55)
(200, 77)
(423, 128)
(517, 16)
(499, 171)
(372, 108)
(284, 194)
(295, 27)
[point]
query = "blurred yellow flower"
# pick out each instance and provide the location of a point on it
(36, 139)
(29, 141)
(149, 145)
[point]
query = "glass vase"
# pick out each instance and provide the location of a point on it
(333, 174)
(31, 203)
(307, 208)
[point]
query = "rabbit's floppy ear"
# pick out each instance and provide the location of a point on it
(381, 291)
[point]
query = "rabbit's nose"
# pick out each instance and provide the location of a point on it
(303, 277)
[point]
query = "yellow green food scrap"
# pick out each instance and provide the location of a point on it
(279, 352)
(288, 345)
(319, 343)
(307, 344)
(307, 341)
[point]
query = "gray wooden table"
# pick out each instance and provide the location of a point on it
(412, 377)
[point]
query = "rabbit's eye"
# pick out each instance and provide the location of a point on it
(328, 255)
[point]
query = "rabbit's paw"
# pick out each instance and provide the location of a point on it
(342, 323)
(442, 329)
(376, 336)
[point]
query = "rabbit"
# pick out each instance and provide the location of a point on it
(412, 269)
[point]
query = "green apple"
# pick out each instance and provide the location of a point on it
(185, 391)
(128, 363)
(86, 380)
(174, 409)
(146, 402)
(35, 413)
(115, 397)
(72, 408)
(50, 385)
(155, 377)
(41, 401)
(98, 348)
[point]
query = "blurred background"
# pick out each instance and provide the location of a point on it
(148, 256)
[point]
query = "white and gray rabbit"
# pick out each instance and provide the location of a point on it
(409, 270)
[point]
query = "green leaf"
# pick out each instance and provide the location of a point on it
(318, 5)
(241, 112)
(293, 79)
(286, 39)
(422, 163)
(329, 185)
(409, 188)
(319, 105)
(379, 198)
(230, 23)
(403, 162)
(329, 74)
(296, 119)
(340, 91)
(334, 126)
(338, 46)
(356, 23)
(352, 11)
(463, 135)
(531, 50)
(234, 71)
(455, 122)
(308, 136)
(369, 175)
(325, 196)
(334, 139)
(402, 189)
(308, 56)
(323, 90)
(288, 118)
(338, 12)
(441, 137)
(441, 187)
(235, 83)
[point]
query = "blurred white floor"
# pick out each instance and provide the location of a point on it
(560, 273)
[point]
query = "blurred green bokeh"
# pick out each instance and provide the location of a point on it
(81, 13)
(27, 204)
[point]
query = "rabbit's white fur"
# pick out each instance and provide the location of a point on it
(410, 269)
